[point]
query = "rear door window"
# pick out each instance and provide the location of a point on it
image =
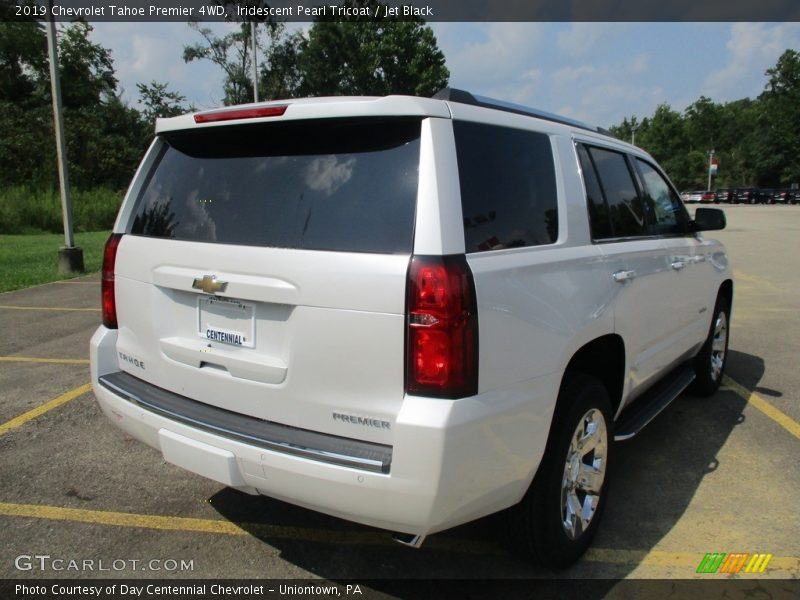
(340, 185)
(616, 208)
(599, 219)
(625, 208)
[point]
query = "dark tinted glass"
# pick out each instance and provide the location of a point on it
(662, 202)
(598, 209)
(323, 185)
(624, 205)
(508, 187)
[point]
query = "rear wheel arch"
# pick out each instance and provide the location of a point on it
(559, 514)
(604, 359)
(726, 291)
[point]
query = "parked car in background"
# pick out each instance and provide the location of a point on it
(765, 195)
(708, 197)
(691, 197)
(727, 195)
(784, 196)
(746, 196)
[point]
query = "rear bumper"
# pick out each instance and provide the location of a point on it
(451, 461)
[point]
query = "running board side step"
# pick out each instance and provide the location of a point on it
(643, 410)
(408, 539)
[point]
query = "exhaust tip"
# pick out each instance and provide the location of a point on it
(408, 539)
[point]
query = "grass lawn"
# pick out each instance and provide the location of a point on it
(32, 259)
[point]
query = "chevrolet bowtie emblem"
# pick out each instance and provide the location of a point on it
(209, 284)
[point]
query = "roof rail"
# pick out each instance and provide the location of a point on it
(464, 97)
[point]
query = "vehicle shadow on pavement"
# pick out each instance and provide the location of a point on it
(656, 476)
(658, 473)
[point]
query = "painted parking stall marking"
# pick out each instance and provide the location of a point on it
(48, 308)
(19, 421)
(44, 360)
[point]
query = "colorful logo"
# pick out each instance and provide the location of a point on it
(719, 562)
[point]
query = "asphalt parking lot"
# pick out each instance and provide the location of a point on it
(708, 476)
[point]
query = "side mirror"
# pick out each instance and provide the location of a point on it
(709, 219)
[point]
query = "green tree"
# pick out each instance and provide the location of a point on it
(105, 137)
(231, 53)
(280, 76)
(703, 124)
(756, 141)
(87, 70)
(627, 130)
(736, 145)
(371, 56)
(23, 60)
(159, 101)
(277, 61)
(666, 139)
(779, 118)
(355, 56)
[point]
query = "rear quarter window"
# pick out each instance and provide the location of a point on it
(508, 187)
(339, 185)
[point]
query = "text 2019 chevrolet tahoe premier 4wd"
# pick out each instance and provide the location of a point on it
(406, 312)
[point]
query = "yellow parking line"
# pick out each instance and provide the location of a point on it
(765, 407)
(169, 523)
(664, 558)
(34, 359)
(217, 526)
(47, 406)
(56, 308)
(119, 519)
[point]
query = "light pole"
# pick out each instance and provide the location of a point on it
(710, 163)
(70, 256)
(255, 60)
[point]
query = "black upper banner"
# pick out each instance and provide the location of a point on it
(429, 10)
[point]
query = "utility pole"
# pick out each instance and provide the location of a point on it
(70, 257)
(710, 162)
(255, 60)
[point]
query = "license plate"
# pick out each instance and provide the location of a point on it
(226, 321)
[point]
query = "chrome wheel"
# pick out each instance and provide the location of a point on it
(584, 473)
(719, 345)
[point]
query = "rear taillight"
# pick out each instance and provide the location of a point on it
(442, 328)
(107, 281)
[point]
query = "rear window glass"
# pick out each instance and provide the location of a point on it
(508, 187)
(342, 185)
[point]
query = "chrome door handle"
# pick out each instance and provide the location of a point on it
(700, 258)
(623, 276)
(678, 265)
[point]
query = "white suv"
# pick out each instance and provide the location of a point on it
(406, 312)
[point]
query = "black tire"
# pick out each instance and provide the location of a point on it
(537, 523)
(709, 364)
